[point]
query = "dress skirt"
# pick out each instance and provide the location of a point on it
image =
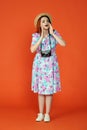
(45, 75)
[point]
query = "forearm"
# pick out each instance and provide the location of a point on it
(59, 40)
(33, 48)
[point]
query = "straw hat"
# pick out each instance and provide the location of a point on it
(39, 16)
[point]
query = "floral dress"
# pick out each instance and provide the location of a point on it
(45, 70)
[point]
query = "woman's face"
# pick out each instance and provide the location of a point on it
(44, 23)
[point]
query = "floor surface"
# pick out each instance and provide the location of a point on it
(24, 119)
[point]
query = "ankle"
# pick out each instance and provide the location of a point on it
(47, 113)
(41, 113)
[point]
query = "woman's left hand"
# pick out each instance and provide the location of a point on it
(50, 29)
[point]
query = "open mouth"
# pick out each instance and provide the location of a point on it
(46, 25)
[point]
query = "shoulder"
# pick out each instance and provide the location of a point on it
(35, 34)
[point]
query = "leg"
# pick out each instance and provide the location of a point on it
(48, 107)
(48, 103)
(41, 108)
(41, 103)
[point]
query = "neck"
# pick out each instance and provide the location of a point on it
(45, 32)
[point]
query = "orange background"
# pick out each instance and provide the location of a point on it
(16, 28)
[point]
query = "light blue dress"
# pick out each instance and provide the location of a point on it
(45, 71)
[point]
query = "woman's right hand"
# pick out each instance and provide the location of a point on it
(42, 32)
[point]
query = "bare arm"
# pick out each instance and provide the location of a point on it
(58, 38)
(33, 48)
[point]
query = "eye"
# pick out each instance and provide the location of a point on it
(43, 21)
(47, 20)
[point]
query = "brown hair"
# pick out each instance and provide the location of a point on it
(38, 28)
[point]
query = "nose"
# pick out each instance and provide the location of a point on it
(46, 22)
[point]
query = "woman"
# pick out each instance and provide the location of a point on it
(45, 70)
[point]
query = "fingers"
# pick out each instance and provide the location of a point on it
(42, 32)
(50, 26)
(42, 27)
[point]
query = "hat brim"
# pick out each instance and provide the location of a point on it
(39, 16)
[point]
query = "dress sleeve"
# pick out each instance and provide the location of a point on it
(35, 38)
(58, 34)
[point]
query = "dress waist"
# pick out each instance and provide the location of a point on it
(52, 51)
